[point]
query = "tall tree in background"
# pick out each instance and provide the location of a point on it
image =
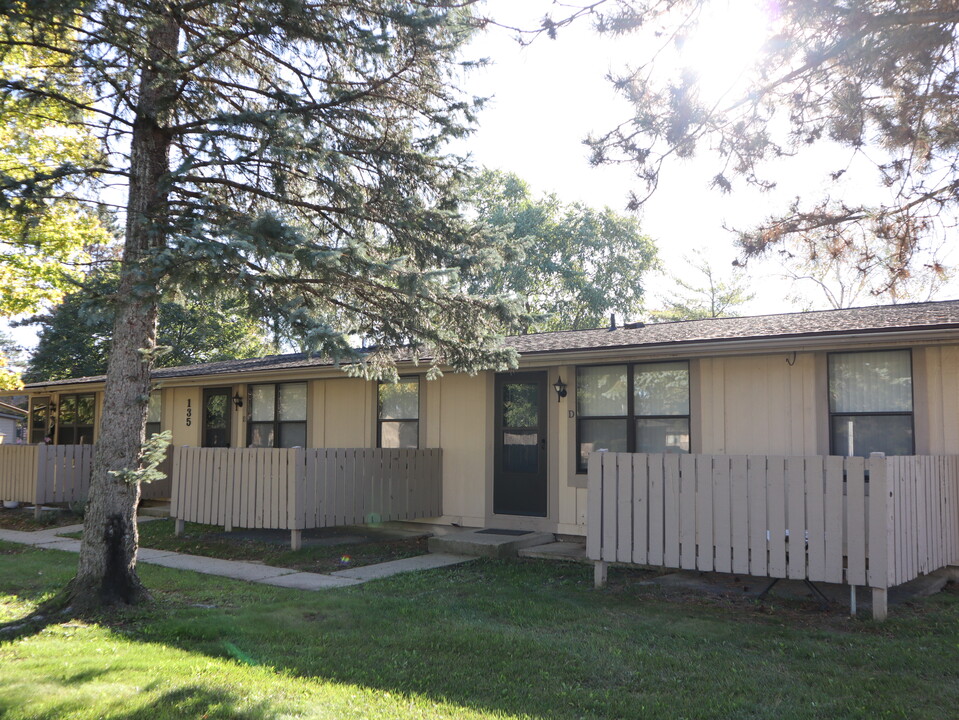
(74, 337)
(877, 77)
(569, 264)
(44, 238)
(703, 293)
(285, 151)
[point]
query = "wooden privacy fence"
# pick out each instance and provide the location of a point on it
(41, 474)
(44, 474)
(302, 488)
(876, 522)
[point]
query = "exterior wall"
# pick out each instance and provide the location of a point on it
(184, 408)
(459, 420)
(760, 405)
(936, 399)
(8, 428)
(343, 413)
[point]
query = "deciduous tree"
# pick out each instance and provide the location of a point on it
(287, 151)
(569, 264)
(703, 292)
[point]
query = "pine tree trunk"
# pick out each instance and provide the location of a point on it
(106, 574)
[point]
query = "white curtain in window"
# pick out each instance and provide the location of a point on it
(264, 403)
(661, 389)
(292, 401)
(601, 391)
(870, 382)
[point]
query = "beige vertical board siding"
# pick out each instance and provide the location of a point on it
(816, 517)
(704, 512)
(463, 414)
(656, 512)
(855, 521)
(950, 398)
(796, 517)
(640, 516)
(184, 434)
(746, 384)
(722, 514)
(316, 424)
(346, 413)
(739, 511)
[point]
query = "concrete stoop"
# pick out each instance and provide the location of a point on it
(154, 509)
(487, 543)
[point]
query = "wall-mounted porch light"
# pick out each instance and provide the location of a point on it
(560, 387)
(237, 401)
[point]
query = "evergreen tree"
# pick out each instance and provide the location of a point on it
(569, 265)
(289, 152)
(702, 293)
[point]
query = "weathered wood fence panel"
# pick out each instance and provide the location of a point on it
(297, 489)
(878, 522)
(58, 474)
(18, 472)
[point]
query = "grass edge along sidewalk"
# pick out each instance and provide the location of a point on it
(242, 570)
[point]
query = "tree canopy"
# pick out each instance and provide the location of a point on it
(74, 337)
(879, 78)
(44, 234)
(569, 265)
(702, 292)
(292, 154)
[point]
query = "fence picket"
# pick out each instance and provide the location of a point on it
(722, 521)
(855, 521)
(739, 510)
(776, 515)
(671, 510)
(640, 517)
(796, 517)
(624, 507)
(815, 518)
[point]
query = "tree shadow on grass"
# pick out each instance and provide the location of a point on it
(186, 702)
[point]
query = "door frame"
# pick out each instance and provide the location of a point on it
(525, 522)
(207, 391)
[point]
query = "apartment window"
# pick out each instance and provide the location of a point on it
(398, 414)
(75, 419)
(277, 415)
(632, 408)
(870, 403)
(154, 413)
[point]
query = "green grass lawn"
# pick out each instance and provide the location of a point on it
(489, 639)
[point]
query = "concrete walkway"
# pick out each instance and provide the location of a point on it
(248, 571)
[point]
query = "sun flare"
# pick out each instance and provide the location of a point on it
(724, 45)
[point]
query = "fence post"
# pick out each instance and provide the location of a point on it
(294, 498)
(40, 480)
(880, 533)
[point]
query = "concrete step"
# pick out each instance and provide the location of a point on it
(487, 543)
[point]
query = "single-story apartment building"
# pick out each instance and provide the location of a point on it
(515, 445)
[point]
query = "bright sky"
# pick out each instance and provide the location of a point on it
(547, 97)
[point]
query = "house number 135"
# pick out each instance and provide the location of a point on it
(189, 413)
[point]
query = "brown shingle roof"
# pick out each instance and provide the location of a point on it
(877, 319)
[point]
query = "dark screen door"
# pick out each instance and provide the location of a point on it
(519, 479)
(216, 417)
